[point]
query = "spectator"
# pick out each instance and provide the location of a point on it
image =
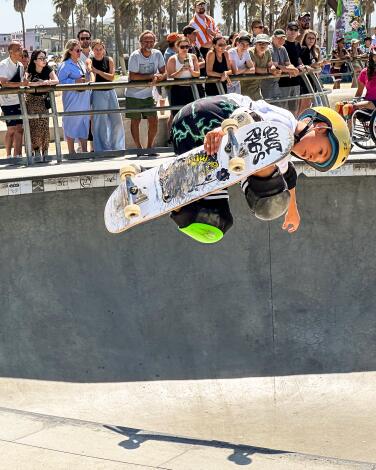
(374, 37)
(241, 62)
(218, 64)
(25, 59)
(84, 36)
(270, 88)
(339, 66)
(366, 47)
(231, 40)
(11, 76)
(182, 65)
(290, 86)
(356, 55)
(262, 58)
(206, 27)
(310, 56)
(108, 129)
(367, 80)
(171, 50)
(191, 34)
(304, 20)
(39, 73)
(72, 71)
(257, 27)
(145, 64)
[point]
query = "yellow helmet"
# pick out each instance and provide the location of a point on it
(338, 133)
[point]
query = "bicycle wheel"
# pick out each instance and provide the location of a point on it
(362, 137)
(372, 126)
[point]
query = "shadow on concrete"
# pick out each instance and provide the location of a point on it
(79, 304)
(240, 453)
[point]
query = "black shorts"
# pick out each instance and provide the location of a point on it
(12, 110)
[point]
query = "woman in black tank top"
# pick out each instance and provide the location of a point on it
(108, 130)
(218, 65)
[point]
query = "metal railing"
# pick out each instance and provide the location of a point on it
(314, 86)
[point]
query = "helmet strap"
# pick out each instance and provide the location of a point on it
(303, 132)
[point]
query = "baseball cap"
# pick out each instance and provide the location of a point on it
(354, 40)
(188, 30)
(292, 24)
(199, 2)
(172, 37)
(279, 33)
(340, 40)
(262, 38)
(244, 37)
(303, 14)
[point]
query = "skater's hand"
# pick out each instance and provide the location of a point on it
(292, 221)
(213, 140)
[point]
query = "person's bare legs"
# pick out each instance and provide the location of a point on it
(303, 105)
(135, 131)
(70, 143)
(83, 143)
(17, 140)
(9, 136)
(152, 130)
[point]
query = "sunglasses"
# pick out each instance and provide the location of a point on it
(184, 47)
(85, 38)
(76, 50)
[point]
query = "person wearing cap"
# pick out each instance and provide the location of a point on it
(261, 56)
(339, 66)
(304, 20)
(322, 139)
(270, 88)
(356, 55)
(206, 28)
(290, 86)
(241, 62)
(171, 49)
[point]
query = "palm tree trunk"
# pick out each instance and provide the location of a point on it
(187, 11)
(119, 43)
(95, 28)
(73, 24)
(246, 14)
(23, 29)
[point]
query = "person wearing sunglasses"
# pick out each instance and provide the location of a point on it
(84, 36)
(73, 71)
(205, 26)
(39, 73)
(218, 64)
(321, 138)
(290, 86)
(182, 65)
(257, 27)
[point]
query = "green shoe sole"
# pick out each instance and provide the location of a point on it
(203, 233)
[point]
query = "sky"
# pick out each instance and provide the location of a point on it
(39, 12)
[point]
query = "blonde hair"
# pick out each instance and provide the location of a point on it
(97, 42)
(68, 47)
(181, 39)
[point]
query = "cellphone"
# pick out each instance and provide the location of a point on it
(186, 62)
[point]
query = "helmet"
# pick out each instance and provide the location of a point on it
(339, 136)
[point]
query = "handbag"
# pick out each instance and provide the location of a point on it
(47, 102)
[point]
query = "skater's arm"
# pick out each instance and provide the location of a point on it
(292, 217)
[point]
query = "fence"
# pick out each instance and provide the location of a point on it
(314, 86)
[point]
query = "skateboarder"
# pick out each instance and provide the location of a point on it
(322, 139)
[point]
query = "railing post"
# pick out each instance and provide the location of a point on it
(196, 94)
(55, 121)
(26, 128)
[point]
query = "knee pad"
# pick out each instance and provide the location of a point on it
(268, 198)
(205, 221)
(290, 176)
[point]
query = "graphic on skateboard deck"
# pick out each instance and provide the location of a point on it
(142, 196)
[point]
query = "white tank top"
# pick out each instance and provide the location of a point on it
(179, 65)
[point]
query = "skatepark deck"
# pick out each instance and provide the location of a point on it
(148, 350)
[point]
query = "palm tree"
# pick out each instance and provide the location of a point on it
(368, 7)
(20, 6)
(102, 10)
(61, 23)
(65, 8)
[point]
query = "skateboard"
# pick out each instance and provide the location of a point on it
(146, 195)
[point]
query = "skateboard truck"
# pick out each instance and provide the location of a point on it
(131, 210)
(236, 163)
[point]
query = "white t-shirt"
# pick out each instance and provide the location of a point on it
(8, 70)
(240, 63)
(138, 63)
(268, 112)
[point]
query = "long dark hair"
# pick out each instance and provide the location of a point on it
(31, 69)
(315, 50)
(371, 66)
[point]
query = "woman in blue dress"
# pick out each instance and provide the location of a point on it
(72, 70)
(108, 129)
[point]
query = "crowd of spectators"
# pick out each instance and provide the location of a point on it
(200, 50)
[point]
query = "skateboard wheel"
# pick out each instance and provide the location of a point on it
(129, 170)
(132, 211)
(229, 124)
(237, 165)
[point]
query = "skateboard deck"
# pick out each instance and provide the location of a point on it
(146, 195)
